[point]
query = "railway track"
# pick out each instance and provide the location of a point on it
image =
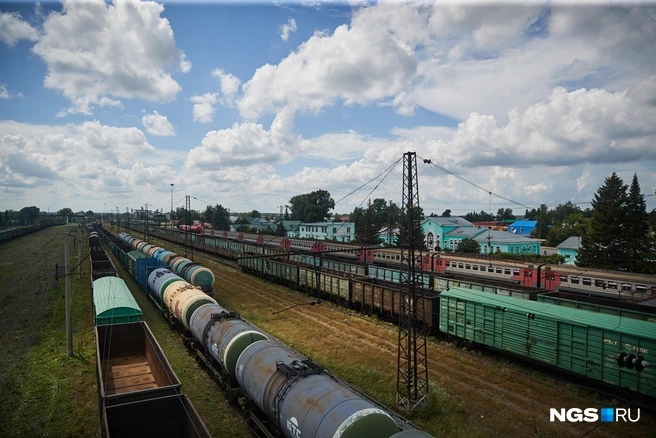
(482, 385)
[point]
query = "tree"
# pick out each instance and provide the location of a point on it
(573, 225)
(603, 245)
(418, 233)
(543, 223)
(468, 246)
(311, 207)
(505, 214)
(639, 243)
(218, 216)
(483, 216)
(446, 213)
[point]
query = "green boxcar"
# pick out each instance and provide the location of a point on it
(595, 345)
(441, 283)
(558, 299)
(332, 284)
(113, 302)
(349, 268)
(285, 273)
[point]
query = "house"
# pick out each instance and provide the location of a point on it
(261, 224)
(447, 233)
(442, 232)
(291, 228)
(522, 227)
(338, 231)
(569, 249)
(492, 241)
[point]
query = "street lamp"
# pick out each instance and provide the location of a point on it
(171, 215)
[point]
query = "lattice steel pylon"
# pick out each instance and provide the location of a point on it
(412, 373)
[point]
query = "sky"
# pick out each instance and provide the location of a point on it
(104, 105)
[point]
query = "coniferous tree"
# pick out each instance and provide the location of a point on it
(604, 243)
(636, 229)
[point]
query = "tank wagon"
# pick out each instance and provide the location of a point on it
(615, 285)
(138, 391)
(369, 295)
(193, 272)
(301, 397)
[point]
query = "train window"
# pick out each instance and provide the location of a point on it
(600, 283)
(641, 288)
(587, 282)
(515, 272)
(490, 269)
(574, 280)
(506, 271)
(563, 279)
(460, 265)
(611, 285)
(475, 268)
(467, 266)
(626, 286)
(499, 270)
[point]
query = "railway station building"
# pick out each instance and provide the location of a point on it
(447, 232)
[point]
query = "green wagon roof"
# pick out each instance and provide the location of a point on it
(113, 300)
(644, 329)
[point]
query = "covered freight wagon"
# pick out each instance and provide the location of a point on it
(113, 302)
(608, 348)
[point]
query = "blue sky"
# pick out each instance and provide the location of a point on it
(105, 104)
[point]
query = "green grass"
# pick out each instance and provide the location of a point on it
(50, 394)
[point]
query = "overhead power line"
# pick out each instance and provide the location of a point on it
(491, 193)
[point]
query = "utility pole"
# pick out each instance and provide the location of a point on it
(412, 372)
(69, 300)
(188, 240)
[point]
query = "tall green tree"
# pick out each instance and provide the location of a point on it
(639, 242)
(218, 216)
(603, 245)
(418, 233)
(543, 223)
(311, 207)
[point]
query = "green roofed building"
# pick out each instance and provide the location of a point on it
(113, 302)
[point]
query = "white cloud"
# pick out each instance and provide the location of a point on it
(355, 64)
(98, 53)
(157, 124)
(14, 29)
(242, 144)
(203, 109)
(287, 28)
(229, 85)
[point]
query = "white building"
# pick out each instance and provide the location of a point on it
(338, 231)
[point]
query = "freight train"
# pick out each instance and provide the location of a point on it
(615, 349)
(138, 391)
(573, 340)
(282, 393)
(614, 285)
